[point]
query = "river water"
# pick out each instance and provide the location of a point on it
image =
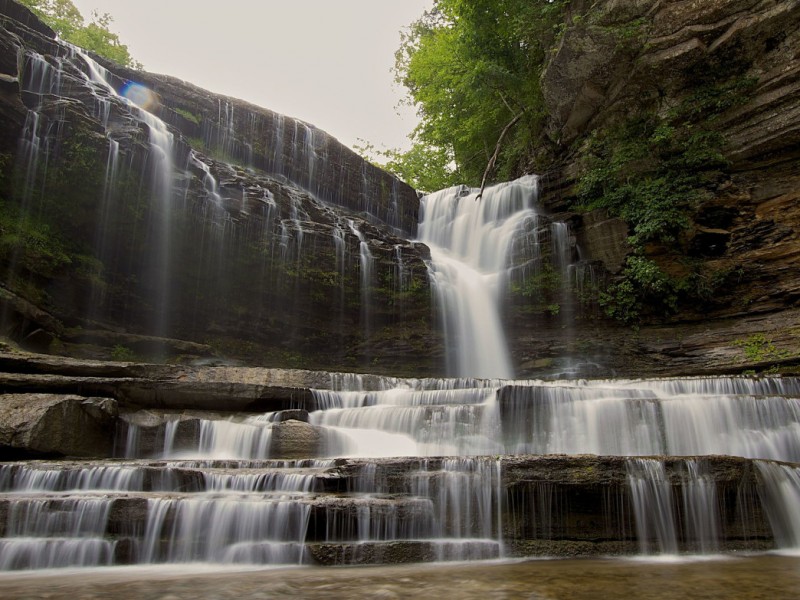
(768, 576)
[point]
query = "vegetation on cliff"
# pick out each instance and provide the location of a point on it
(643, 144)
(68, 22)
(471, 67)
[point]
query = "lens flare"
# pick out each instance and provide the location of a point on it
(140, 95)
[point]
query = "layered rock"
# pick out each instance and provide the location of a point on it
(49, 424)
(258, 237)
(641, 59)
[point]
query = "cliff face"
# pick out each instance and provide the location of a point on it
(238, 231)
(726, 69)
(207, 226)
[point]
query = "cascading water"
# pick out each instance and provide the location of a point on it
(366, 264)
(218, 490)
(471, 241)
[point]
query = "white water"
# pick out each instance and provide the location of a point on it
(781, 498)
(751, 418)
(471, 241)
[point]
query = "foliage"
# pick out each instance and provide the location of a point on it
(758, 348)
(544, 282)
(643, 284)
(66, 20)
(652, 171)
(425, 168)
(123, 354)
(188, 115)
(471, 66)
(30, 244)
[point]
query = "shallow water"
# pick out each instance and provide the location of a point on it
(770, 576)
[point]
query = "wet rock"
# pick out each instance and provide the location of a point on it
(397, 552)
(289, 190)
(49, 424)
(296, 439)
(290, 415)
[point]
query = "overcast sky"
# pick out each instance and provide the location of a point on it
(327, 62)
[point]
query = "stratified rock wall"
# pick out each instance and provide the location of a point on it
(645, 59)
(204, 227)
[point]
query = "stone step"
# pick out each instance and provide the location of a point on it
(402, 551)
(563, 505)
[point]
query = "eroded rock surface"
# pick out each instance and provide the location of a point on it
(49, 424)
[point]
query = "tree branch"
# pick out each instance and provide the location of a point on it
(493, 159)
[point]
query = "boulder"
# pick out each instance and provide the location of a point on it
(295, 439)
(52, 424)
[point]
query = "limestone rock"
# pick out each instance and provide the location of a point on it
(295, 439)
(604, 239)
(49, 424)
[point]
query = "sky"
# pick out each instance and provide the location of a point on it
(326, 62)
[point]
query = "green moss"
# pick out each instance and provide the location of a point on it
(188, 115)
(123, 354)
(30, 244)
(759, 348)
(544, 282)
(196, 143)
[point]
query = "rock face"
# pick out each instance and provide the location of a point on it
(646, 59)
(295, 439)
(47, 424)
(257, 237)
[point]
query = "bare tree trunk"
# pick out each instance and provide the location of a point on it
(493, 159)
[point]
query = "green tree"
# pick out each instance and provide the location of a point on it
(67, 21)
(471, 67)
(425, 168)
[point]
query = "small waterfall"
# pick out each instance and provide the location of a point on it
(228, 529)
(160, 164)
(471, 241)
(366, 261)
(43, 534)
(209, 182)
(742, 417)
(663, 518)
(701, 511)
(467, 507)
(201, 438)
(780, 493)
(42, 83)
(55, 478)
(651, 493)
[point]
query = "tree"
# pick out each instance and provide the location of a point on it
(66, 20)
(472, 69)
(425, 168)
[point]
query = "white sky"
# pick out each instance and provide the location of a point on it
(327, 62)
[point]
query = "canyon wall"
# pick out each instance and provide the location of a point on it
(202, 226)
(640, 95)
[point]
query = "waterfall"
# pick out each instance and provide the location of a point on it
(781, 498)
(471, 240)
(366, 261)
(491, 467)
